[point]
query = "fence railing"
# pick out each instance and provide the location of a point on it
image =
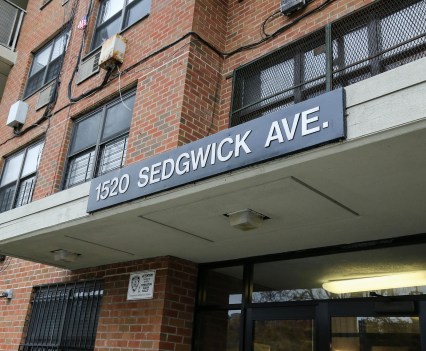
(375, 39)
(11, 17)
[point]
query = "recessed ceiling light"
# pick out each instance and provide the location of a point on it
(64, 255)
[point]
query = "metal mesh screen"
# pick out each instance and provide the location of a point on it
(380, 37)
(286, 76)
(63, 317)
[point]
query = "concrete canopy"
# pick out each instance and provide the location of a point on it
(371, 186)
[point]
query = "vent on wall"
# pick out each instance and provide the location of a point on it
(45, 95)
(88, 67)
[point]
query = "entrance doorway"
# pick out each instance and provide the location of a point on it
(376, 324)
(285, 302)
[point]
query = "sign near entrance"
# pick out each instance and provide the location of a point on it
(141, 285)
(301, 126)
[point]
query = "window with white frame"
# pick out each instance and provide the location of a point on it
(116, 15)
(46, 63)
(19, 176)
(99, 141)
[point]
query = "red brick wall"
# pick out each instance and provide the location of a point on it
(163, 323)
(183, 94)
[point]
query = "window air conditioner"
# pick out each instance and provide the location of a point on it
(17, 114)
(112, 51)
(290, 6)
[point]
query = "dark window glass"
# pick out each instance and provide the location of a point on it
(64, 317)
(224, 286)
(136, 10)
(46, 63)
(86, 132)
(115, 15)
(379, 333)
(100, 141)
(18, 177)
(218, 330)
(118, 118)
(283, 335)
(106, 31)
(6, 198)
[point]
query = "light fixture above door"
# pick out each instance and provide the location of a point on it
(387, 281)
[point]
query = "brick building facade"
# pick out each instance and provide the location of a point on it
(193, 69)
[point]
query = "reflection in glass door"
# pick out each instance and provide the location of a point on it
(283, 335)
(375, 333)
(281, 329)
(343, 325)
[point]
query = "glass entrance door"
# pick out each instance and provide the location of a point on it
(392, 333)
(281, 329)
(368, 325)
(375, 325)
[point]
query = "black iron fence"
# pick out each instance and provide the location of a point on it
(375, 39)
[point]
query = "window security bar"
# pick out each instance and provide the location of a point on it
(375, 39)
(63, 317)
(334, 72)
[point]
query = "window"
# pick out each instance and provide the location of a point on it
(377, 38)
(64, 317)
(115, 15)
(99, 141)
(46, 63)
(289, 75)
(19, 176)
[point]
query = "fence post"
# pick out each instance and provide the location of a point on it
(328, 58)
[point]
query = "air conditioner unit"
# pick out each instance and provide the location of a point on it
(88, 67)
(290, 6)
(112, 51)
(17, 114)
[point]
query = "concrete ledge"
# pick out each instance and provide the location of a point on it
(386, 83)
(389, 100)
(65, 206)
(7, 56)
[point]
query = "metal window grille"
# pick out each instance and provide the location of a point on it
(80, 168)
(25, 191)
(63, 317)
(378, 38)
(113, 155)
(6, 198)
